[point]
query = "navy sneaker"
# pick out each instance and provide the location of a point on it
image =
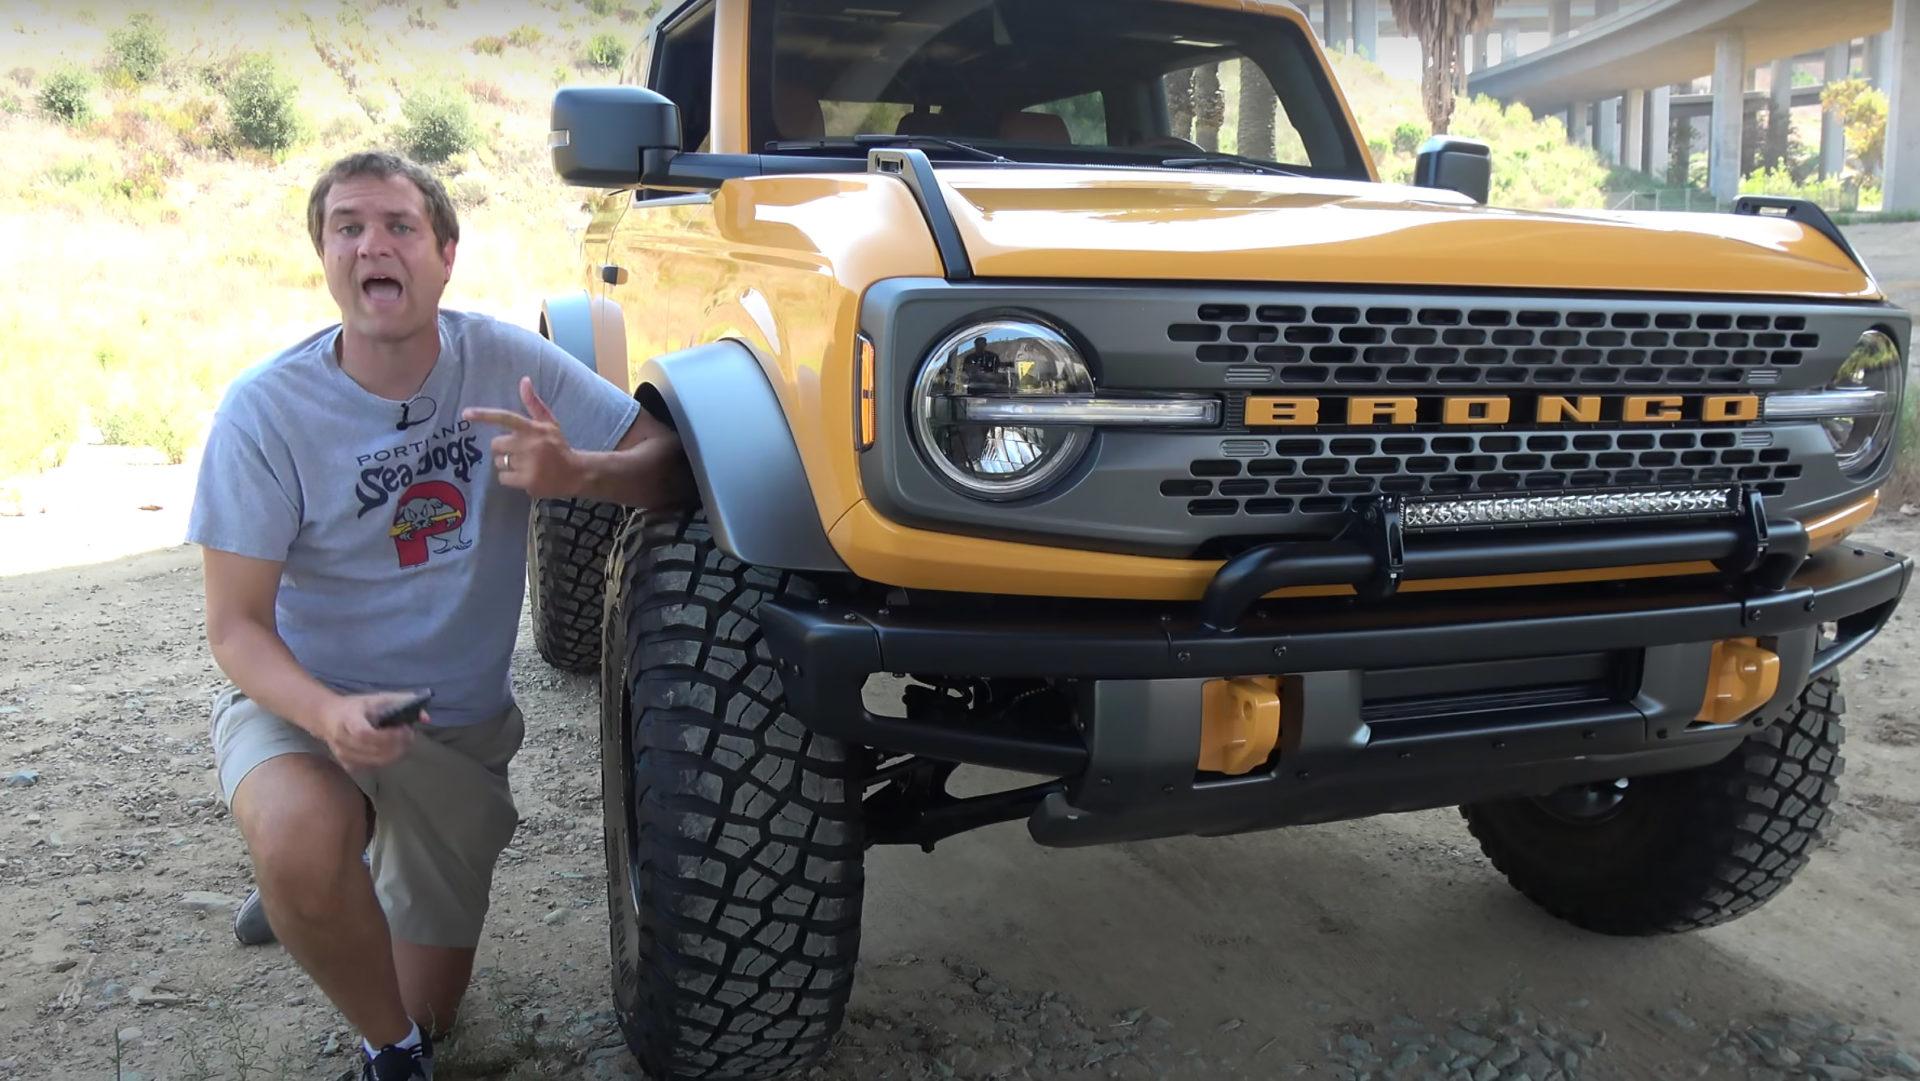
(250, 924)
(393, 1064)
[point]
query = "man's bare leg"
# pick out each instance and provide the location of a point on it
(305, 823)
(433, 979)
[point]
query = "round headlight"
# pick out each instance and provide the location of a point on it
(992, 364)
(1872, 370)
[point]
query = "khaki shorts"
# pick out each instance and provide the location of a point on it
(442, 814)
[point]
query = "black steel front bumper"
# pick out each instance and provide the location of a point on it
(1427, 700)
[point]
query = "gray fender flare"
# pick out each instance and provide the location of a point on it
(591, 329)
(759, 504)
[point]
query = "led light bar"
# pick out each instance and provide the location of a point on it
(1570, 508)
(1105, 412)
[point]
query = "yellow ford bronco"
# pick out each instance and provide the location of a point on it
(1068, 397)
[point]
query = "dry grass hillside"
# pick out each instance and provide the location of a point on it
(152, 252)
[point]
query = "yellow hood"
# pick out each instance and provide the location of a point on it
(1197, 226)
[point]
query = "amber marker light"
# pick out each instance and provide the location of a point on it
(867, 416)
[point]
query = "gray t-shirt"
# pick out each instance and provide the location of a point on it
(404, 557)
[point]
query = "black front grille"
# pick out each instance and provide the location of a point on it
(1497, 344)
(1325, 474)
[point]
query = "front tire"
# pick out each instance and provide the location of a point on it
(733, 832)
(568, 541)
(1678, 851)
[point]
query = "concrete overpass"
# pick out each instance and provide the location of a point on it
(1626, 52)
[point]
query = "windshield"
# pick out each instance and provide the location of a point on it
(1117, 82)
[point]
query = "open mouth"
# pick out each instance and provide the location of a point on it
(381, 289)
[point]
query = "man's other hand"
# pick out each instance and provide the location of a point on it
(346, 724)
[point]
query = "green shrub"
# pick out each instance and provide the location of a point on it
(137, 49)
(489, 46)
(1832, 193)
(10, 103)
(260, 103)
(1407, 137)
(601, 8)
(606, 51)
(525, 36)
(437, 125)
(68, 95)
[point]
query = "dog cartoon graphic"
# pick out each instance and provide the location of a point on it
(429, 520)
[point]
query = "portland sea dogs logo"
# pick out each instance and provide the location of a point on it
(431, 519)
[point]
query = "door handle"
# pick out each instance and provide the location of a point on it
(613, 275)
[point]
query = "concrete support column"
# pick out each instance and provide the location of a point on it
(1903, 109)
(1489, 50)
(1780, 100)
(1876, 65)
(1609, 136)
(1559, 18)
(1660, 133)
(1633, 134)
(1366, 28)
(1577, 123)
(1729, 105)
(1509, 44)
(1833, 134)
(1604, 8)
(1339, 26)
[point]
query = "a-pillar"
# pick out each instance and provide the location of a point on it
(1833, 133)
(1634, 133)
(1729, 106)
(1559, 18)
(1339, 23)
(1366, 28)
(1660, 131)
(1903, 109)
(1609, 135)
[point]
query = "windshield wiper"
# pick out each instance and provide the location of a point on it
(893, 140)
(1218, 159)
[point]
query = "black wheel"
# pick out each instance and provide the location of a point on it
(568, 541)
(733, 833)
(1677, 851)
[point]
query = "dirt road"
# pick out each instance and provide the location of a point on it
(1386, 948)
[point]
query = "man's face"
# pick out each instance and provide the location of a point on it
(383, 266)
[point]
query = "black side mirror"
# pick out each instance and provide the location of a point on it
(603, 136)
(1461, 165)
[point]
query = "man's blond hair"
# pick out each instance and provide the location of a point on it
(380, 164)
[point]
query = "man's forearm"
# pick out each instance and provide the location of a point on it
(651, 473)
(258, 662)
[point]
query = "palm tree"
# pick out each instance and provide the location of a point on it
(1440, 25)
(1257, 104)
(1209, 107)
(1180, 102)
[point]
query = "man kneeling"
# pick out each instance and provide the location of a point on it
(359, 546)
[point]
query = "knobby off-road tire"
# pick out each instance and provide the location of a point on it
(733, 834)
(1685, 850)
(568, 541)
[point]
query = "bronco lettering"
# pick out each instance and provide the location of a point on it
(1270, 411)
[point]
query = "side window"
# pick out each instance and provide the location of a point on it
(684, 73)
(1229, 106)
(1086, 117)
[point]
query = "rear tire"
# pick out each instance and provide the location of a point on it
(568, 541)
(733, 832)
(1678, 851)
